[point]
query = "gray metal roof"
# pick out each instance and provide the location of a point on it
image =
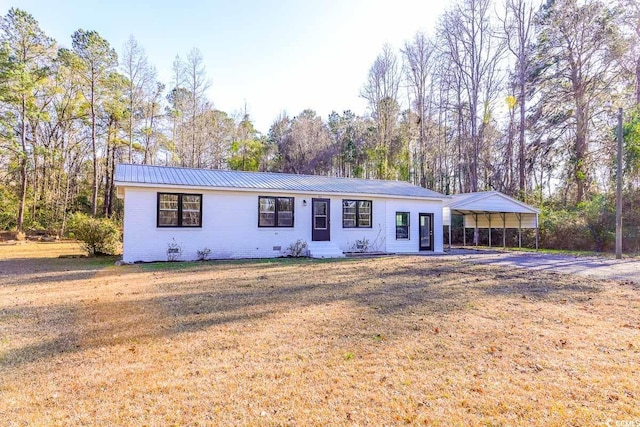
(165, 175)
(460, 202)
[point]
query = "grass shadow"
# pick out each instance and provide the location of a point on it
(189, 302)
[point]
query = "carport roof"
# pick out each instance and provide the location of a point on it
(487, 202)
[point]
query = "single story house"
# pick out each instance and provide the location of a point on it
(175, 213)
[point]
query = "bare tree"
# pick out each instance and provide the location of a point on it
(176, 110)
(196, 84)
(151, 112)
(141, 83)
(518, 26)
(418, 67)
(631, 63)
(304, 144)
(470, 43)
(381, 92)
(579, 48)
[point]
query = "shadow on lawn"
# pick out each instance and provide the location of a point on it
(20, 266)
(29, 271)
(188, 304)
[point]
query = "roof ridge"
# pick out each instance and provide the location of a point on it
(273, 173)
(135, 174)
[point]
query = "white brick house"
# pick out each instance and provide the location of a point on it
(259, 215)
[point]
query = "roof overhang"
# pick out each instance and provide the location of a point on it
(473, 203)
(124, 184)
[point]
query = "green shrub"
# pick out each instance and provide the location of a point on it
(600, 216)
(589, 226)
(100, 236)
(8, 210)
(564, 229)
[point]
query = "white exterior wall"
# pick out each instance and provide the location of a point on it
(345, 238)
(230, 225)
(446, 216)
(414, 207)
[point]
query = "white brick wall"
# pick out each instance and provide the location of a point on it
(414, 207)
(230, 226)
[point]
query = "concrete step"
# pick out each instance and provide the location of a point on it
(324, 250)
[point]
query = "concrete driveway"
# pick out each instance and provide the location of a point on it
(626, 269)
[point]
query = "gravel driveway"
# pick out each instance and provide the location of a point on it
(596, 266)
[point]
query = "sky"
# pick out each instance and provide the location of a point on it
(270, 56)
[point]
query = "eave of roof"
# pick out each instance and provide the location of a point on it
(162, 176)
(459, 201)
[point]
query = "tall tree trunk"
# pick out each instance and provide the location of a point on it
(509, 172)
(522, 82)
(131, 129)
(23, 167)
(105, 205)
(581, 154)
(638, 78)
(112, 183)
(582, 142)
(65, 204)
(473, 99)
(94, 203)
(521, 141)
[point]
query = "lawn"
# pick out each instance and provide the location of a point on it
(384, 341)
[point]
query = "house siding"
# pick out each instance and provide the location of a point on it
(414, 207)
(230, 226)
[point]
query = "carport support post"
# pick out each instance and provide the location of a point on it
(450, 231)
(537, 230)
(464, 231)
(504, 229)
(475, 231)
(489, 216)
(519, 230)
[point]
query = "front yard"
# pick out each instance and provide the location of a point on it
(385, 341)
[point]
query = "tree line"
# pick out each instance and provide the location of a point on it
(518, 97)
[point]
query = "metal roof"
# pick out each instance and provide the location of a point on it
(165, 175)
(462, 202)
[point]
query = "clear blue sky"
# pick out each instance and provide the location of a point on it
(276, 56)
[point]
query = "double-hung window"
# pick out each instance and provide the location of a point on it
(179, 210)
(402, 225)
(356, 213)
(275, 211)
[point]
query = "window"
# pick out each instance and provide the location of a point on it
(320, 217)
(356, 214)
(275, 211)
(402, 225)
(179, 210)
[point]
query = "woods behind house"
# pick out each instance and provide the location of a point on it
(519, 97)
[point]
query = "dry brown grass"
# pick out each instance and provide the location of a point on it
(388, 341)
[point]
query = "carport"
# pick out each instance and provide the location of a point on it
(490, 209)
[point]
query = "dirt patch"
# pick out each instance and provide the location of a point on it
(383, 341)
